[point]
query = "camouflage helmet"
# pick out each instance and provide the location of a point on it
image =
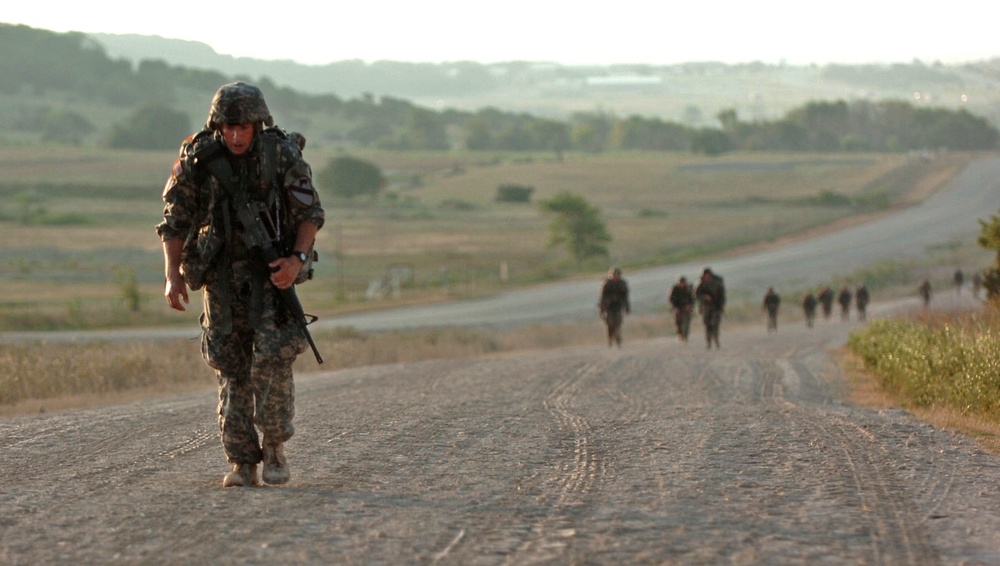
(238, 103)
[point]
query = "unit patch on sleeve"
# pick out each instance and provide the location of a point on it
(303, 191)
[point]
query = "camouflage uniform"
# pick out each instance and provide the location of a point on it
(809, 306)
(826, 300)
(861, 298)
(682, 302)
(844, 298)
(771, 303)
(711, 295)
(247, 337)
(614, 299)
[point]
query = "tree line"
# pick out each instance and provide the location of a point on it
(39, 61)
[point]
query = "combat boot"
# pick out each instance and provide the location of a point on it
(243, 475)
(275, 466)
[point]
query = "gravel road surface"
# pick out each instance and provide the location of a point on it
(658, 453)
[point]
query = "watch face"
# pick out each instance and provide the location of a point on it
(302, 257)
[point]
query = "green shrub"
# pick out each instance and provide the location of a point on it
(514, 193)
(952, 364)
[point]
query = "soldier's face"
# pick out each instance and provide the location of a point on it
(238, 137)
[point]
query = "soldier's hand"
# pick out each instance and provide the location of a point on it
(175, 291)
(284, 270)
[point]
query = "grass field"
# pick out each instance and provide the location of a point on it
(77, 240)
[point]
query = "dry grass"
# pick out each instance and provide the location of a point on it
(55, 377)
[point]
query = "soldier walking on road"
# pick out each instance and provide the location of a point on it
(925, 292)
(771, 302)
(809, 306)
(711, 296)
(241, 163)
(682, 303)
(826, 299)
(861, 300)
(614, 300)
(959, 280)
(844, 298)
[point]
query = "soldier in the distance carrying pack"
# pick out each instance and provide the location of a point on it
(711, 295)
(614, 304)
(770, 305)
(682, 303)
(238, 170)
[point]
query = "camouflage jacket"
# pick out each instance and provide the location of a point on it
(712, 294)
(199, 202)
(614, 296)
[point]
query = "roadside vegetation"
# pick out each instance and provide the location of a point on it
(944, 366)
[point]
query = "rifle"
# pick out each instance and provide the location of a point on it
(260, 231)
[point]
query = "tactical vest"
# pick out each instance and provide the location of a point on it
(226, 194)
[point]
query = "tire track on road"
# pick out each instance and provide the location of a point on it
(579, 469)
(897, 535)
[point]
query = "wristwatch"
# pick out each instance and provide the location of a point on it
(301, 255)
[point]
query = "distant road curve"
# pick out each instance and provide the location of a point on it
(948, 216)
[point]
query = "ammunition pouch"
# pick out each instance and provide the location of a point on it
(198, 255)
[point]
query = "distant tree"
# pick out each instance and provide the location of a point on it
(423, 130)
(548, 135)
(153, 126)
(577, 224)
(728, 119)
(955, 130)
(477, 134)
(590, 132)
(65, 126)
(514, 193)
(989, 238)
(370, 131)
(711, 142)
(350, 177)
(649, 134)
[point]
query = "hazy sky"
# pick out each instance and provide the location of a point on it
(578, 32)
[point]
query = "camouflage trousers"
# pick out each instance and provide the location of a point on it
(713, 320)
(253, 365)
(613, 319)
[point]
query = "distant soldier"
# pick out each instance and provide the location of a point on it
(711, 296)
(809, 303)
(977, 282)
(771, 302)
(826, 299)
(614, 300)
(844, 298)
(925, 292)
(959, 280)
(861, 301)
(682, 303)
